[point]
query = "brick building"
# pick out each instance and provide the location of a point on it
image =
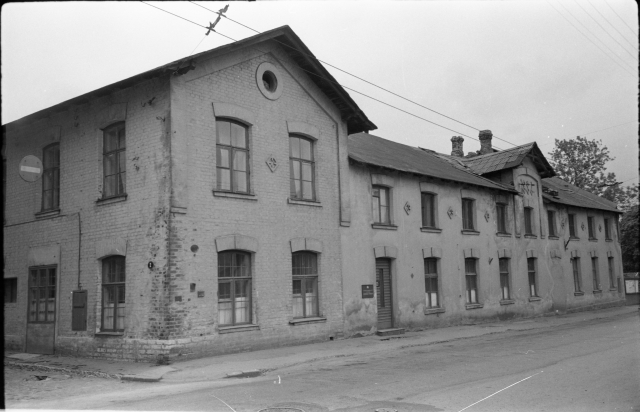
(217, 204)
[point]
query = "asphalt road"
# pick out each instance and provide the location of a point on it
(585, 366)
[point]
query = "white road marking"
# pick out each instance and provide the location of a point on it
(500, 391)
(223, 402)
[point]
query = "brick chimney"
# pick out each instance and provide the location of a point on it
(485, 141)
(456, 146)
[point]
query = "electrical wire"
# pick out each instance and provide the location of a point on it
(353, 75)
(625, 23)
(614, 27)
(603, 29)
(588, 38)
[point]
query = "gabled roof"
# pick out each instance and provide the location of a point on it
(571, 195)
(374, 150)
(506, 159)
(356, 120)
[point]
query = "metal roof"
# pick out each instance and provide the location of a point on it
(506, 159)
(571, 195)
(374, 150)
(356, 120)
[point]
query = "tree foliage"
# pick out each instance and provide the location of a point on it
(629, 234)
(582, 162)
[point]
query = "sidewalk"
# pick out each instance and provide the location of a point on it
(255, 363)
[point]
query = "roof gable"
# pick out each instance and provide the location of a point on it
(510, 158)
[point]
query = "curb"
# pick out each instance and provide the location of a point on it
(79, 372)
(137, 378)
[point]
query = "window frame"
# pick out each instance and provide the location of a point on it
(612, 273)
(469, 214)
(429, 279)
(51, 172)
(49, 289)
(11, 287)
(595, 274)
(607, 229)
(387, 191)
(528, 221)
(532, 274)
(577, 274)
(293, 195)
(501, 217)
(505, 287)
(572, 226)
(304, 279)
(121, 167)
(233, 180)
(432, 201)
(591, 227)
(551, 223)
(231, 280)
(118, 289)
(471, 299)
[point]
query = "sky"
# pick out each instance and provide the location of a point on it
(526, 70)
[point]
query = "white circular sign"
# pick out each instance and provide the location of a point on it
(30, 168)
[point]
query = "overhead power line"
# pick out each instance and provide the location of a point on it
(614, 27)
(588, 38)
(624, 22)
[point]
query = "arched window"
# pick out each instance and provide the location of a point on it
(234, 288)
(232, 156)
(113, 293)
(114, 161)
(51, 177)
(305, 284)
(302, 168)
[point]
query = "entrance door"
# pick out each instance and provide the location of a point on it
(383, 290)
(41, 314)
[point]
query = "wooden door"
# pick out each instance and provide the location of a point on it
(383, 290)
(41, 316)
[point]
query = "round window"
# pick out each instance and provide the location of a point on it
(269, 81)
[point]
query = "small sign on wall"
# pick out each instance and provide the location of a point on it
(367, 291)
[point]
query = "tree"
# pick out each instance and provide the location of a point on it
(582, 162)
(629, 233)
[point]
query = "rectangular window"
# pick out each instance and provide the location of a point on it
(234, 288)
(431, 283)
(533, 282)
(302, 168)
(595, 274)
(607, 228)
(501, 215)
(468, 214)
(305, 284)
(380, 205)
(577, 280)
(504, 278)
(471, 277)
(551, 218)
(528, 221)
(114, 161)
(113, 294)
(232, 157)
(42, 295)
(612, 274)
(590, 223)
(51, 177)
(572, 225)
(10, 290)
(429, 210)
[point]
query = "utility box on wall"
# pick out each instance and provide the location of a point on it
(79, 312)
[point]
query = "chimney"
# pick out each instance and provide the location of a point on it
(485, 141)
(456, 146)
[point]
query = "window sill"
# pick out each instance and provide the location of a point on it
(430, 230)
(110, 200)
(241, 328)
(573, 238)
(47, 214)
(597, 292)
(109, 334)
(232, 195)
(530, 236)
(608, 240)
(304, 321)
(593, 239)
(385, 227)
(469, 232)
(311, 203)
(431, 311)
(578, 293)
(503, 234)
(469, 306)
(507, 302)
(613, 289)
(553, 237)
(535, 299)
